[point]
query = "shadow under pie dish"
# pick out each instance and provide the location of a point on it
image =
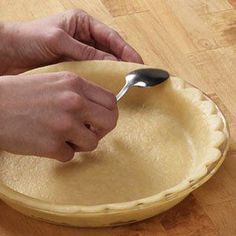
(169, 140)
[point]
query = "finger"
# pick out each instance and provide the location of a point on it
(65, 153)
(105, 36)
(59, 151)
(85, 90)
(98, 95)
(76, 50)
(83, 139)
(100, 120)
(93, 32)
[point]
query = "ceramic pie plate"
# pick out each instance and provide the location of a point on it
(169, 140)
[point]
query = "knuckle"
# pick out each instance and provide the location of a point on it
(71, 101)
(74, 12)
(85, 85)
(113, 35)
(84, 18)
(82, 12)
(75, 102)
(54, 35)
(71, 80)
(69, 76)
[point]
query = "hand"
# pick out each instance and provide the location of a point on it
(71, 35)
(53, 115)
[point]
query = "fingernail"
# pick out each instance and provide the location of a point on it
(110, 58)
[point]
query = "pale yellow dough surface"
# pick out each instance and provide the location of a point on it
(160, 139)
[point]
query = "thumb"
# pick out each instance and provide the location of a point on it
(76, 50)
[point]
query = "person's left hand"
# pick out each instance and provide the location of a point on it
(71, 35)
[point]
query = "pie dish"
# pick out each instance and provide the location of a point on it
(169, 140)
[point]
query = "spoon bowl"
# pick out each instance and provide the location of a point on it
(143, 78)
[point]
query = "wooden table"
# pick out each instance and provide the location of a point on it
(195, 40)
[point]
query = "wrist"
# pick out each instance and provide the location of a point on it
(7, 49)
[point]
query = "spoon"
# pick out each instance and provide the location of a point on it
(147, 77)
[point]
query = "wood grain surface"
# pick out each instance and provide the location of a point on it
(195, 40)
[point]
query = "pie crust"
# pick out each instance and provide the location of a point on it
(169, 140)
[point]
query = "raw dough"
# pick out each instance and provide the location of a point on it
(160, 138)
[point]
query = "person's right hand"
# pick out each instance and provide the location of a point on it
(53, 115)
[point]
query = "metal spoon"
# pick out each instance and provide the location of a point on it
(147, 77)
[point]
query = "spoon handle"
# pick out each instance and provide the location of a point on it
(122, 92)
